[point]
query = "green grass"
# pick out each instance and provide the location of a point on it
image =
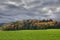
(53, 34)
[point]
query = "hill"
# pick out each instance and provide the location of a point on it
(31, 25)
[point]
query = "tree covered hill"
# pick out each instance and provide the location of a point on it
(31, 25)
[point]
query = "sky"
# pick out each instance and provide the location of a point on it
(13, 10)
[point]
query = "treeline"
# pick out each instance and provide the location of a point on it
(31, 25)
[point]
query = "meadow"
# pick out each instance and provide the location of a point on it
(49, 34)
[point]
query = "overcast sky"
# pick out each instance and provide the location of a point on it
(13, 10)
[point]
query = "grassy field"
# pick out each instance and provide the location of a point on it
(53, 34)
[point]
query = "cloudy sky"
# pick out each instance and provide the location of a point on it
(12, 10)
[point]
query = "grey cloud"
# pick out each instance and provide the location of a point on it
(12, 6)
(28, 9)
